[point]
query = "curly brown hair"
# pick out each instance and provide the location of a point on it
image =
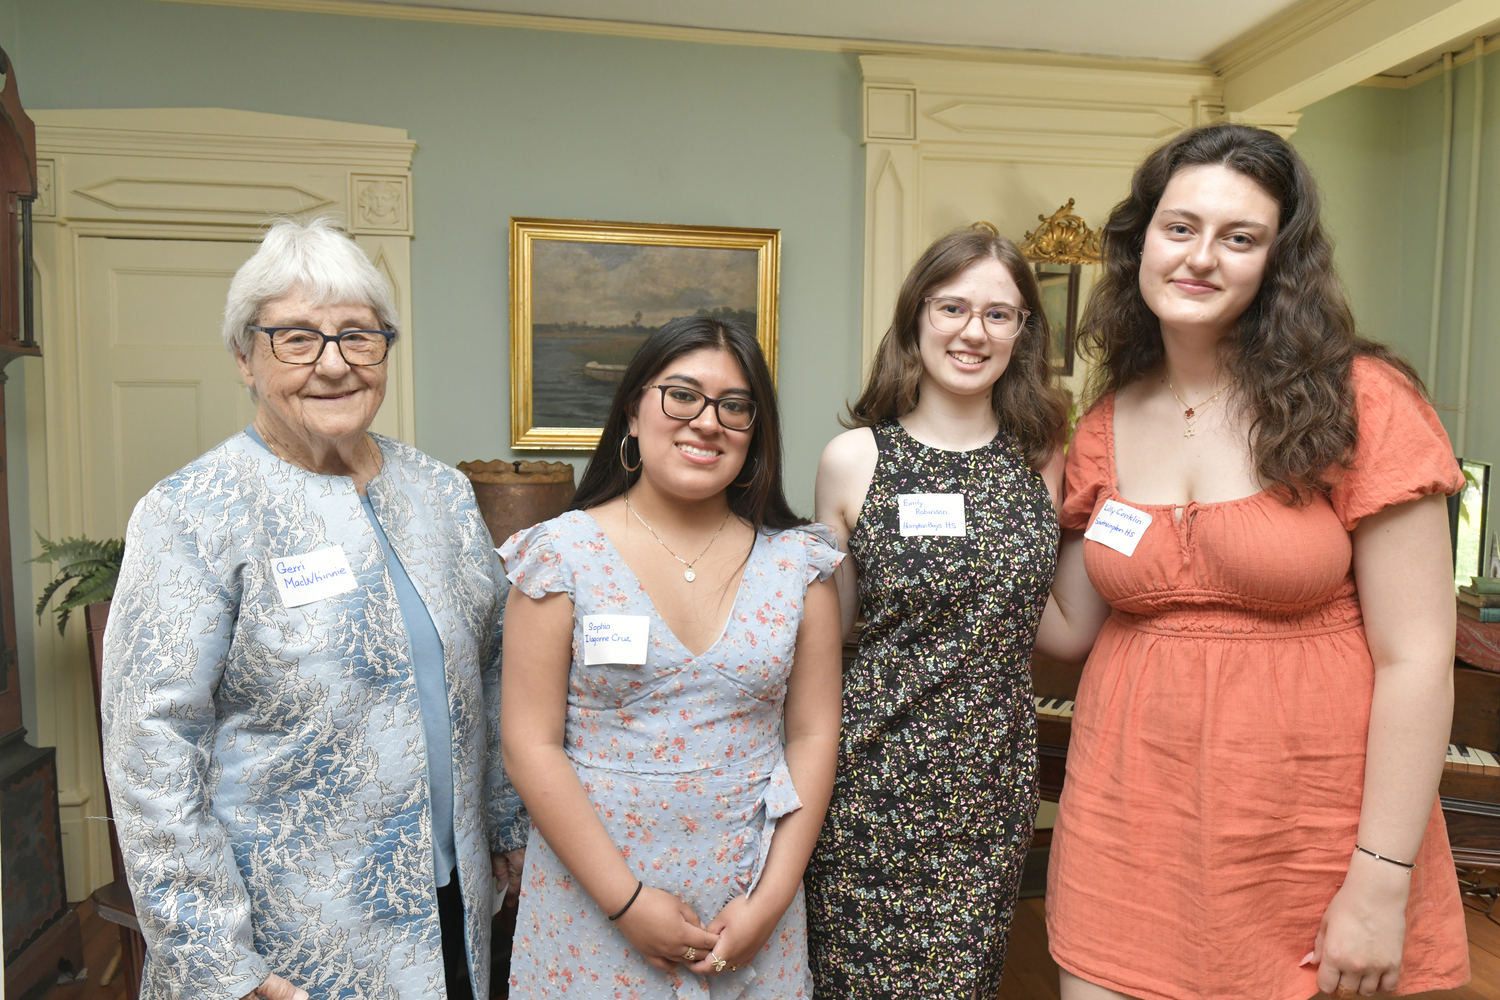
(1293, 348)
(1030, 404)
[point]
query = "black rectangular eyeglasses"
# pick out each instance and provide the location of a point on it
(298, 345)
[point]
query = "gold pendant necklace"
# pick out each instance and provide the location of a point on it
(1190, 414)
(687, 574)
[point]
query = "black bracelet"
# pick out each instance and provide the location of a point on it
(1378, 857)
(639, 885)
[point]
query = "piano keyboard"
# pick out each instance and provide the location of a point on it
(1062, 708)
(1462, 757)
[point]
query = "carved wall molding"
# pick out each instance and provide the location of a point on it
(380, 204)
(46, 195)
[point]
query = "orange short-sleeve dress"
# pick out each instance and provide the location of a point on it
(1218, 747)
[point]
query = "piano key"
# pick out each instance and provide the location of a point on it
(1048, 707)
(1488, 762)
(1065, 710)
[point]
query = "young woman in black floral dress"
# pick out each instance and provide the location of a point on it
(945, 494)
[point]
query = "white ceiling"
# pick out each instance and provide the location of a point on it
(1160, 29)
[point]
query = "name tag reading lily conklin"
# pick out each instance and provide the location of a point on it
(1118, 526)
(932, 514)
(312, 577)
(615, 638)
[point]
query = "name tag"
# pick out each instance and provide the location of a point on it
(313, 577)
(615, 638)
(932, 514)
(1118, 526)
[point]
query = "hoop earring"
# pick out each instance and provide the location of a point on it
(628, 467)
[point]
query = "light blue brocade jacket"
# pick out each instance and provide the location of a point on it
(267, 764)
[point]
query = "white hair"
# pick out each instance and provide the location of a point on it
(320, 260)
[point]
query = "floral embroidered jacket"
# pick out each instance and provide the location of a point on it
(267, 764)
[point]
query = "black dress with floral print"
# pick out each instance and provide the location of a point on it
(913, 882)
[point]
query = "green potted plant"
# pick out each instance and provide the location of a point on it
(94, 565)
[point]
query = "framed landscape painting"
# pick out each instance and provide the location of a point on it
(585, 295)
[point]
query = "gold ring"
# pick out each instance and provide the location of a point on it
(690, 954)
(719, 963)
(734, 968)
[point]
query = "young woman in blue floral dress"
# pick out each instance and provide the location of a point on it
(656, 639)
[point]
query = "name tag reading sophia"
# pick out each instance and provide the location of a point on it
(1118, 526)
(932, 514)
(615, 638)
(312, 577)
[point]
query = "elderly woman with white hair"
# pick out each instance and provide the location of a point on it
(301, 675)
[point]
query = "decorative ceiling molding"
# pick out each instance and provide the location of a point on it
(711, 36)
(1320, 47)
(1060, 118)
(1462, 57)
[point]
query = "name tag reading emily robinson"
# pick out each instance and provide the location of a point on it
(615, 638)
(1118, 526)
(932, 514)
(312, 577)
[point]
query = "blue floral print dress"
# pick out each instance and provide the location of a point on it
(682, 758)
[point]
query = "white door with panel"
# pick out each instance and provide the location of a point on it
(159, 389)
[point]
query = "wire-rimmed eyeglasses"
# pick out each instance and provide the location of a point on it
(735, 413)
(299, 345)
(950, 315)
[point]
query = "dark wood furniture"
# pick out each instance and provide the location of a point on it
(42, 934)
(113, 901)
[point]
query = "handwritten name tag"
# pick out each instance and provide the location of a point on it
(932, 514)
(312, 577)
(615, 638)
(1118, 526)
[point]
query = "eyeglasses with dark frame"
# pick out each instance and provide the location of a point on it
(300, 345)
(1000, 321)
(735, 413)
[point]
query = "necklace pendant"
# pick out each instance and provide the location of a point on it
(1189, 432)
(689, 575)
(1188, 413)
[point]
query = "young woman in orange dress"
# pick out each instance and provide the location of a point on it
(1255, 530)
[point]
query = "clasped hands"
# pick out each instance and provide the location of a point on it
(668, 932)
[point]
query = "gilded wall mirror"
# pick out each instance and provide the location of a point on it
(1058, 249)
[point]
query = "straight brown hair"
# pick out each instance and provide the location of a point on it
(1293, 348)
(1027, 399)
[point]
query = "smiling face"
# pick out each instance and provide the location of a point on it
(692, 459)
(1206, 249)
(969, 361)
(321, 404)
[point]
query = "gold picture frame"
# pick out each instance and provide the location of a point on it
(603, 271)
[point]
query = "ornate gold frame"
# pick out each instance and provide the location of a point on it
(1061, 245)
(766, 242)
(1062, 238)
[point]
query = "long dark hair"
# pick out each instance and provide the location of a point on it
(1293, 348)
(762, 501)
(1027, 399)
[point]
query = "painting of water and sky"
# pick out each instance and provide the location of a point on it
(593, 304)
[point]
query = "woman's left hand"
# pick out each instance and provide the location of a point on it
(744, 926)
(1358, 948)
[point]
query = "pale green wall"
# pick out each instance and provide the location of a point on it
(1378, 154)
(507, 122)
(526, 123)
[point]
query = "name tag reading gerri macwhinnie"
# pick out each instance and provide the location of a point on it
(1119, 526)
(932, 514)
(312, 577)
(615, 638)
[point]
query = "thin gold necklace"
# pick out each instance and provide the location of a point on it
(1190, 414)
(687, 574)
